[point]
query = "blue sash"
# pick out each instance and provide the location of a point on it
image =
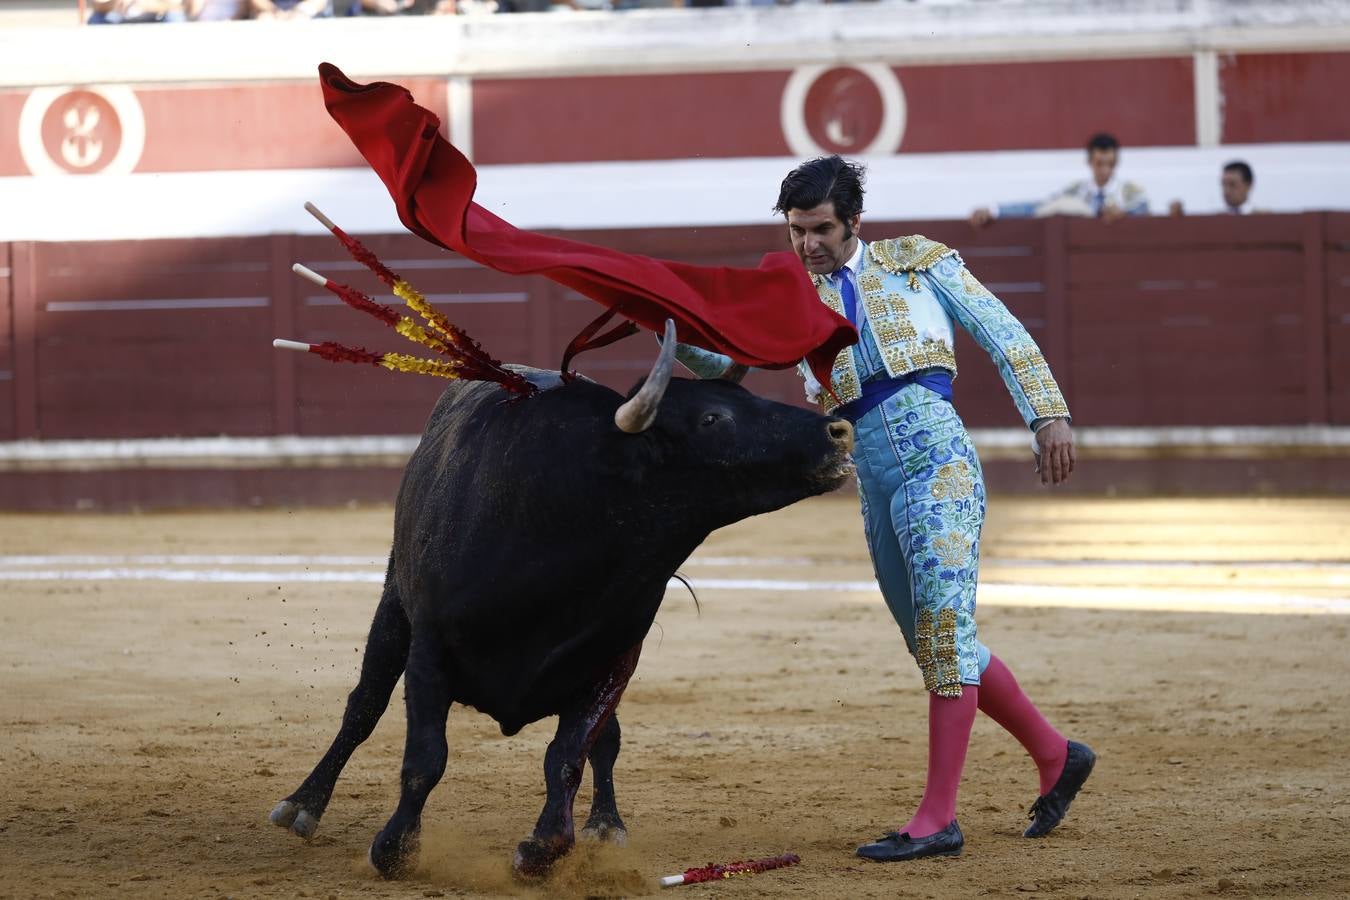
(875, 392)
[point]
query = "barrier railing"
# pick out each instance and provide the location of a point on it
(1148, 322)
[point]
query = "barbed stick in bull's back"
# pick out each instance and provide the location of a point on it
(465, 358)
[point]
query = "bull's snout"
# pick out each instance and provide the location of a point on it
(841, 434)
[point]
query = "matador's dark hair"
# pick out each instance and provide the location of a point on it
(831, 178)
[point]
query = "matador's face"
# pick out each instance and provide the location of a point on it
(820, 239)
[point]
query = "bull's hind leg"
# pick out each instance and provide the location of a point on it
(386, 654)
(578, 730)
(426, 687)
(604, 822)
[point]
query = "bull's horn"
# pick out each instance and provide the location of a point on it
(638, 413)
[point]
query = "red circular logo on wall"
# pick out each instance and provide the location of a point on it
(856, 110)
(81, 132)
(844, 110)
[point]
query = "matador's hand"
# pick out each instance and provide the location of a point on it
(1055, 455)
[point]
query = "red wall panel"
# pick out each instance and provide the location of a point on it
(623, 117)
(6, 346)
(253, 126)
(1285, 97)
(11, 161)
(1279, 97)
(1048, 105)
(153, 338)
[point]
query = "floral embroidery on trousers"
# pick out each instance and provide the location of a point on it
(923, 502)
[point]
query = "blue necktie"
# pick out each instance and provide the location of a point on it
(1098, 202)
(850, 296)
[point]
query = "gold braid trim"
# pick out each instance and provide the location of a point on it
(400, 362)
(935, 652)
(1031, 372)
(843, 374)
(910, 254)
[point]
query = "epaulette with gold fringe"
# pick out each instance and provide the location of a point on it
(910, 254)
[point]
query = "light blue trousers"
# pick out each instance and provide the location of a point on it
(923, 502)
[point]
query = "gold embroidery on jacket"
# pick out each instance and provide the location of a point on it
(910, 254)
(888, 313)
(972, 284)
(1033, 376)
(933, 353)
(843, 374)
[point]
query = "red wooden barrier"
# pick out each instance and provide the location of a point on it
(1336, 283)
(1204, 321)
(6, 344)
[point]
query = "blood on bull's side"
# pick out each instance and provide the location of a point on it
(533, 541)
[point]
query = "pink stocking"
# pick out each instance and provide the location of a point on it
(1001, 699)
(949, 723)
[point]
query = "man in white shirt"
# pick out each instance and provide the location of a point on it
(1236, 185)
(1102, 196)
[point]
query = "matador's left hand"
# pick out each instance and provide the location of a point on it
(1055, 455)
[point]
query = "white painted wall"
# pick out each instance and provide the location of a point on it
(693, 193)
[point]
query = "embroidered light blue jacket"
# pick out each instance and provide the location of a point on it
(912, 290)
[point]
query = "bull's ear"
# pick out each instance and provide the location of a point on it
(638, 413)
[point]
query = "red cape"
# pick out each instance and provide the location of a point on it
(768, 317)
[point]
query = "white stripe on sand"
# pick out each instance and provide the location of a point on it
(693, 562)
(1031, 595)
(191, 560)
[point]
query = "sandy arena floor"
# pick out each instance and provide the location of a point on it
(148, 726)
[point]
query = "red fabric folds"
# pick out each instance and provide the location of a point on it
(768, 317)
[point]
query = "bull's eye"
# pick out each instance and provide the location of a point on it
(710, 419)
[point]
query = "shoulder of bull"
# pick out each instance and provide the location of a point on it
(911, 253)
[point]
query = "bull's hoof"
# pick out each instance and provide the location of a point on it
(535, 857)
(605, 828)
(294, 819)
(394, 856)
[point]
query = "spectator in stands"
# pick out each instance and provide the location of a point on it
(290, 9)
(519, 6)
(402, 7)
(125, 12)
(216, 10)
(1236, 184)
(1102, 196)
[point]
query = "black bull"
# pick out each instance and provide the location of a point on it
(533, 542)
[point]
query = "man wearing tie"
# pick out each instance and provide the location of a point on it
(1103, 196)
(919, 478)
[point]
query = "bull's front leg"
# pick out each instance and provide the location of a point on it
(427, 693)
(578, 730)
